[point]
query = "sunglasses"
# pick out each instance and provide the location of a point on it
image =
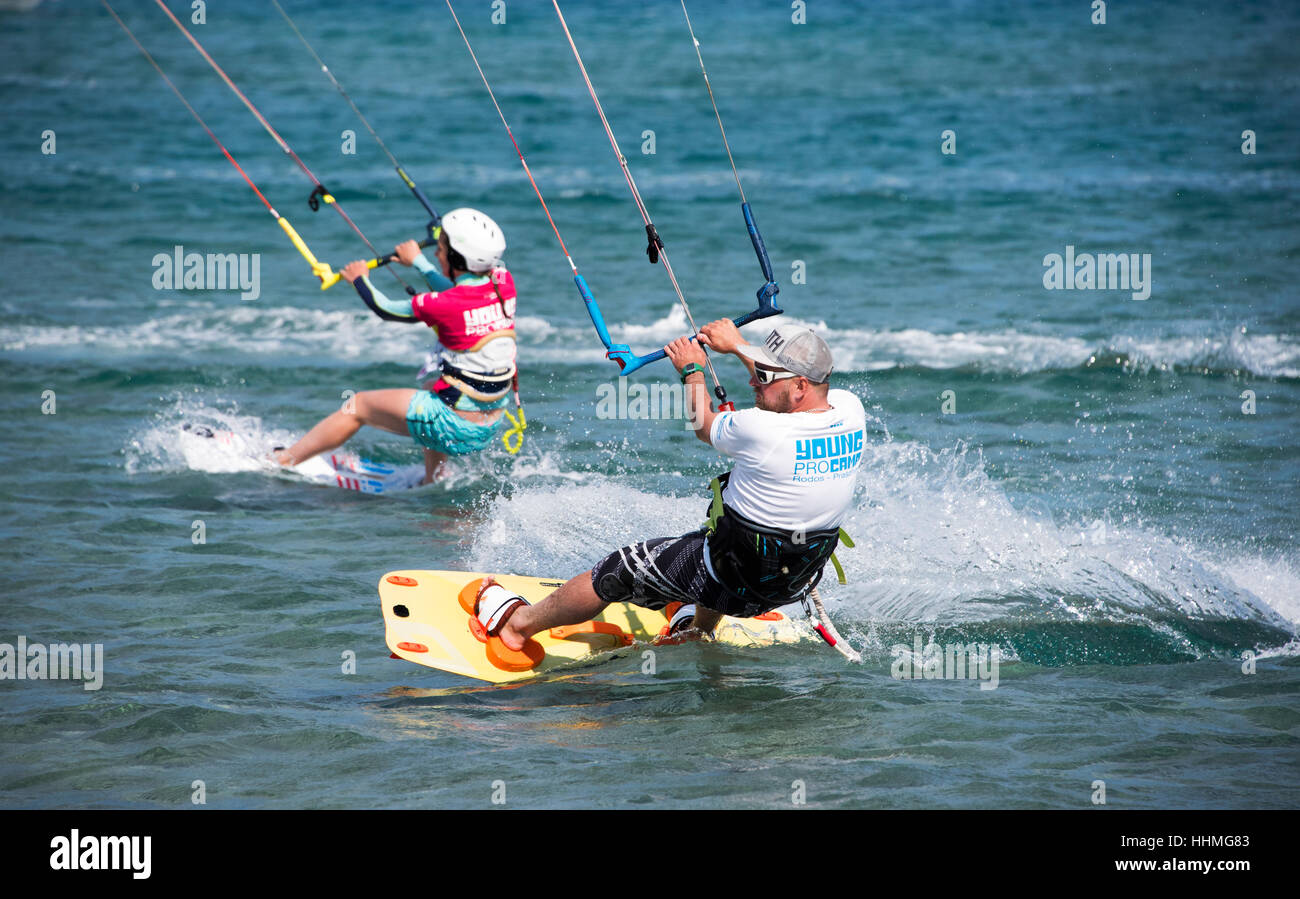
(767, 376)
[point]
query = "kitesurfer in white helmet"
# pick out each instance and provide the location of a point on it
(467, 383)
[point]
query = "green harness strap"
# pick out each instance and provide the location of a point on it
(716, 511)
(839, 569)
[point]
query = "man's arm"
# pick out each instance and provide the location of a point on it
(681, 353)
(723, 336)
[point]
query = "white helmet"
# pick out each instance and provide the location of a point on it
(476, 237)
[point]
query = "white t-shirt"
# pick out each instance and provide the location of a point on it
(794, 470)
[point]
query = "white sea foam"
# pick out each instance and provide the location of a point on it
(243, 441)
(1265, 355)
(246, 328)
(257, 330)
(162, 445)
(1274, 580)
(937, 541)
(570, 528)
(1269, 355)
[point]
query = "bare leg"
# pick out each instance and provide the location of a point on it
(432, 462)
(573, 603)
(385, 409)
(705, 619)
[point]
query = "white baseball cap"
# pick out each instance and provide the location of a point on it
(794, 349)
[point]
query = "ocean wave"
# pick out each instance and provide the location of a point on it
(1017, 352)
(939, 539)
(939, 544)
(255, 330)
(1264, 355)
(247, 330)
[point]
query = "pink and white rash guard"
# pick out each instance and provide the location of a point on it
(470, 311)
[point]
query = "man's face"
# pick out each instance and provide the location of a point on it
(774, 397)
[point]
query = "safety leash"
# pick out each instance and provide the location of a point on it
(825, 629)
(518, 425)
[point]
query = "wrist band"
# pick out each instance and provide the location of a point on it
(690, 370)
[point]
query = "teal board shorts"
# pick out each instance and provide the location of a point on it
(435, 426)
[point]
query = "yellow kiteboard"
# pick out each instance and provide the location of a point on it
(425, 623)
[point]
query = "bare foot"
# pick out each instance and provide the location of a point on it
(510, 636)
(440, 471)
(685, 635)
(281, 456)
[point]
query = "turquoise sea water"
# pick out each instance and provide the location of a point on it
(1095, 499)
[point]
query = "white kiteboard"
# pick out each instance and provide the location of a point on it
(216, 449)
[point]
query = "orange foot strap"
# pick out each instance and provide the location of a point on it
(603, 628)
(498, 653)
(469, 594)
(668, 612)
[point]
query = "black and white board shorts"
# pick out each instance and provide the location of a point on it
(661, 570)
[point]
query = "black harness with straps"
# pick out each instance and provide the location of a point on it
(759, 566)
